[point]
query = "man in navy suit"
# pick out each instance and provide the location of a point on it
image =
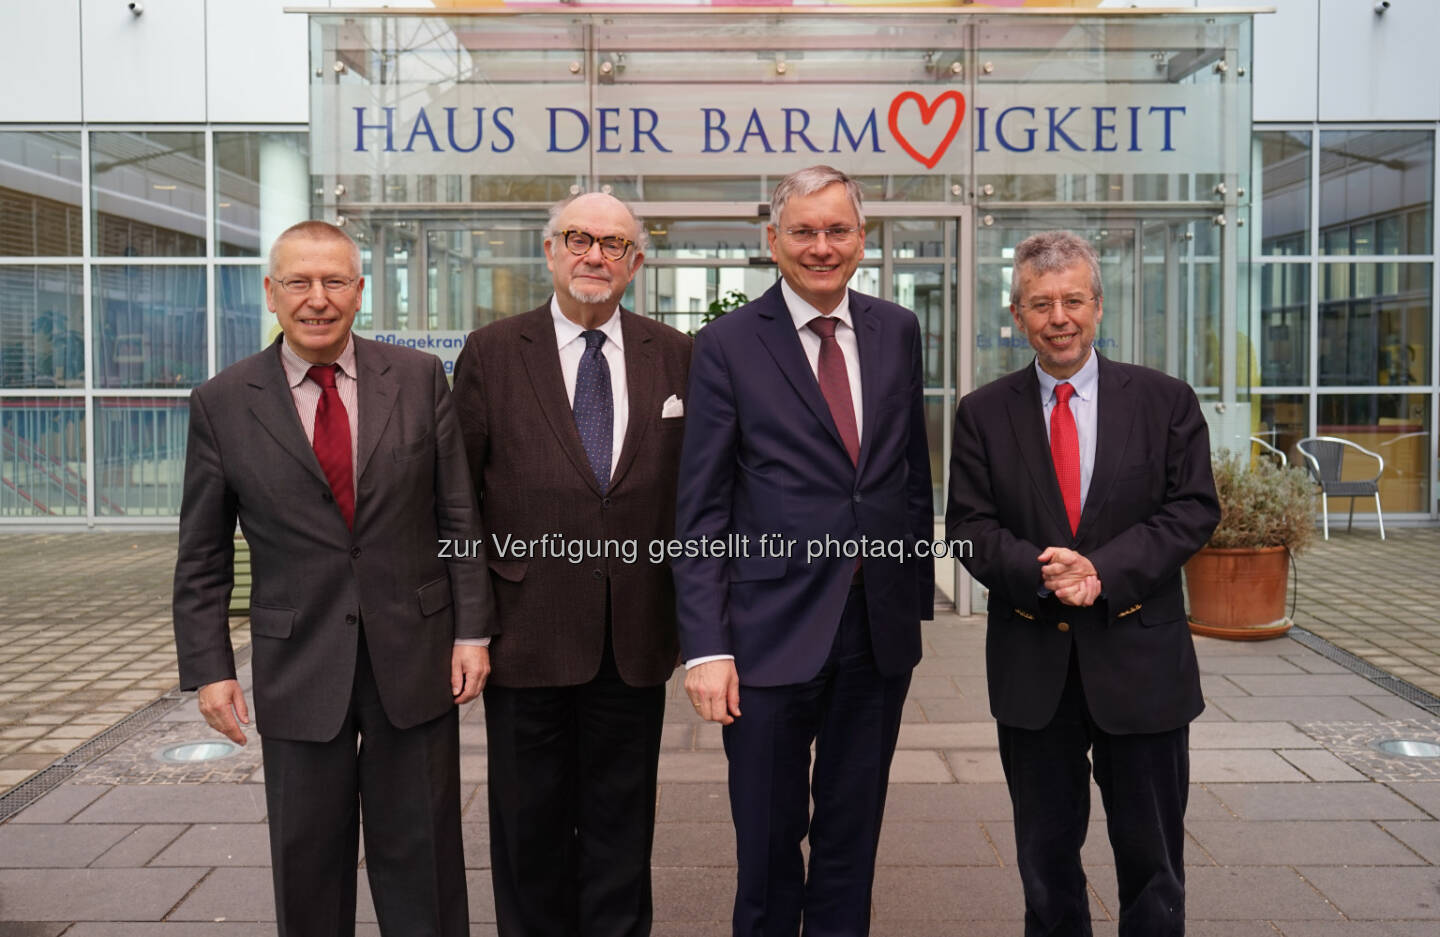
(1084, 485)
(805, 443)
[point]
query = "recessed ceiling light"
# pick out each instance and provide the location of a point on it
(163, 188)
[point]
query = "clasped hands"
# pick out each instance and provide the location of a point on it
(1070, 576)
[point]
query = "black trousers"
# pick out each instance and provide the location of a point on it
(1144, 783)
(407, 781)
(851, 712)
(572, 805)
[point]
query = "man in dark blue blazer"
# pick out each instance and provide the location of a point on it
(805, 445)
(1084, 485)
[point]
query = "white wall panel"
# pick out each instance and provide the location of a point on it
(1286, 60)
(258, 62)
(147, 68)
(1379, 67)
(40, 67)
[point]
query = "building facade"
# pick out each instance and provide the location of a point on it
(1260, 186)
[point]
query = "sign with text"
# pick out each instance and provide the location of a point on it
(730, 129)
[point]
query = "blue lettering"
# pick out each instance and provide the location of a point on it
(1167, 148)
(584, 124)
(715, 123)
(791, 132)
(608, 129)
(753, 128)
(1102, 128)
(649, 131)
(450, 130)
(505, 129)
(1029, 131)
(1057, 129)
(421, 120)
(388, 127)
(867, 127)
(1134, 146)
(980, 130)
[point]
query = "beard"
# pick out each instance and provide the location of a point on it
(592, 295)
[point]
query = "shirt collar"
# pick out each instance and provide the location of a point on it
(297, 369)
(567, 331)
(802, 312)
(1084, 380)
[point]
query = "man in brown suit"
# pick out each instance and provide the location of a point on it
(572, 419)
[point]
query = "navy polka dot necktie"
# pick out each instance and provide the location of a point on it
(595, 406)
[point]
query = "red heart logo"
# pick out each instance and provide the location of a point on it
(927, 114)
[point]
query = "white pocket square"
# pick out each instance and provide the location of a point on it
(672, 408)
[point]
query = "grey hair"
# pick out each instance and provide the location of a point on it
(808, 181)
(1052, 252)
(318, 231)
(642, 240)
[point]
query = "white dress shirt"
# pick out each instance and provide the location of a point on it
(571, 342)
(802, 312)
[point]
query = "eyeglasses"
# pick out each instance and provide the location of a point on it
(611, 248)
(301, 285)
(838, 234)
(1070, 304)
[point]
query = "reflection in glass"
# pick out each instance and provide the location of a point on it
(480, 274)
(1395, 427)
(1374, 324)
(149, 192)
(149, 326)
(40, 194)
(140, 455)
(717, 238)
(1371, 178)
(1281, 420)
(42, 457)
(1282, 331)
(1284, 160)
(42, 326)
(262, 187)
(923, 290)
(681, 296)
(241, 317)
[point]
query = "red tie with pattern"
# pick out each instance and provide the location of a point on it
(835, 385)
(332, 441)
(1065, 450)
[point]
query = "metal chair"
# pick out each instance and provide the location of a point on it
(1325, 459)
(1268, 450)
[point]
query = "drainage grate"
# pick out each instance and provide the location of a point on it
(1363, 668)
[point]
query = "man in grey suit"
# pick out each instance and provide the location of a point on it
(572, 418)
(343, 462)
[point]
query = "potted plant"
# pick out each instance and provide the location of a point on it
(1236, 582)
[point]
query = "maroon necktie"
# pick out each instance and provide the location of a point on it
(1065, 450)
(332, 441)
(835, 385)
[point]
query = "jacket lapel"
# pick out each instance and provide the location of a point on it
(377, 393)
(777, 333)
(868, 336)
(640, 370)
(541, 360)
(1027, 422)
(1114, 419)
(274, 408)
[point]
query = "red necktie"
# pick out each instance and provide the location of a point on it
(835, 385)
(332, 441)
(1065, 450)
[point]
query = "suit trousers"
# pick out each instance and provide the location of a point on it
(851, 712)
(407, 781)
(1144, 784)
(572, 805)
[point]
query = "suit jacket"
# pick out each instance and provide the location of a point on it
(314, 580)
(534, 482)
(1151, 504)
(762, 456)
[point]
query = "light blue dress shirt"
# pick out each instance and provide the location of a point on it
(1084, 406)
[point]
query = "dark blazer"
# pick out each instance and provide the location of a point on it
(313, 579)
(1151, 504)
(762, 456)
(534, 481)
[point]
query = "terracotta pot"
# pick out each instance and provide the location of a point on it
(1238, 593)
